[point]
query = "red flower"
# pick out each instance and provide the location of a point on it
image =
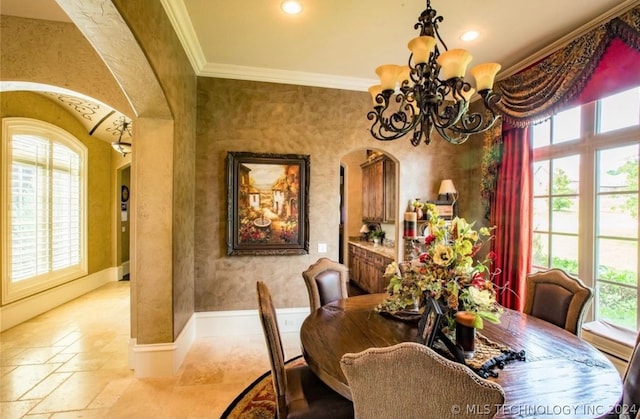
(429, 239)
(492, 255)
(478, 280)
(424, 257)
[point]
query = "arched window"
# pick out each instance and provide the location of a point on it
(44, 177)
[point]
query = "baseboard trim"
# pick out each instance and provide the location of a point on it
(27, 308)
(162, 359)
(245, 322)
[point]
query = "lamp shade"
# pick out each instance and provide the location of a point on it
(421, 48)
(364, 228)
(447, 187)
(484, 75)
(454, 63)
(388, 75)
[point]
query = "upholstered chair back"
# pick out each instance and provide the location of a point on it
(558, 298)
(410, 380)
(326, 281)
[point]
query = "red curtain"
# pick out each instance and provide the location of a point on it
(512, 215)
(511, 207)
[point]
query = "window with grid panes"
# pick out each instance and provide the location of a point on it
(44, 178)
(586, 200)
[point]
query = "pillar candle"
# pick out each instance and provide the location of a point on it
(410, 224)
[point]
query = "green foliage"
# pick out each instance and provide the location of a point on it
(614, 275)
(560, 186)
(618, 305)
(630, 171)
(566, 265)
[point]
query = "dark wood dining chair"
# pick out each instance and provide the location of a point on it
(326, 281)
(299, 392)
(557, 297)
(410, 380)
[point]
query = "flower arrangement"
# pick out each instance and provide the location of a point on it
(446, 270)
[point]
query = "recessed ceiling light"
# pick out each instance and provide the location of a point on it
(291, 7)
(469, 36)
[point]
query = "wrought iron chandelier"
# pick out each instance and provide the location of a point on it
(120, 146)
(432, 92)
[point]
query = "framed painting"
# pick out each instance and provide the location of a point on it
(267, 204)
(430, 322)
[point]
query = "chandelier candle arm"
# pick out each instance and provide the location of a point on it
(431, 92)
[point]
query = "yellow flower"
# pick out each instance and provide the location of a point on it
(443, 255)
(392, 269)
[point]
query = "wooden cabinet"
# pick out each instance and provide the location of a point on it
(366, 269)
(379, 190)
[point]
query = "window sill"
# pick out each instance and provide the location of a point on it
(611, 339)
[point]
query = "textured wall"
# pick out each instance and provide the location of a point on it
(32, 105)
(327, 124)
(151, 27)
(56, 53)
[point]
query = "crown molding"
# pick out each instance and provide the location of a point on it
(179, 18)
(622, 8)
(330, 81)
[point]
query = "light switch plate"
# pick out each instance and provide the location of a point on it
(322, 247)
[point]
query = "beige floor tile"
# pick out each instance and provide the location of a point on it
(22, 379)
(16, 409)
(46, 386)
(77, 367)
(30, 356)
(78, 391)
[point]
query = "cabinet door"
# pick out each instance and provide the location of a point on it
(366, 192)
(373, 192)
(389, 191)
(380, 282)
(353, 272)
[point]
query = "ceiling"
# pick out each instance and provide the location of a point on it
(339, 43)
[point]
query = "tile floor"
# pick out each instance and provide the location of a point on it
(72, 362)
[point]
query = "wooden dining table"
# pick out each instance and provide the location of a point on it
(562, 375)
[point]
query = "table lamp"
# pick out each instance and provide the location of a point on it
(364, 230)
(447, 188)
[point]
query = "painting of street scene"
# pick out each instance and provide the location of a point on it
(268, 203)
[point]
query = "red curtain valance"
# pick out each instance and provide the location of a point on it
(605, 59)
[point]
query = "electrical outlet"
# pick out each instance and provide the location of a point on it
(322, 247)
